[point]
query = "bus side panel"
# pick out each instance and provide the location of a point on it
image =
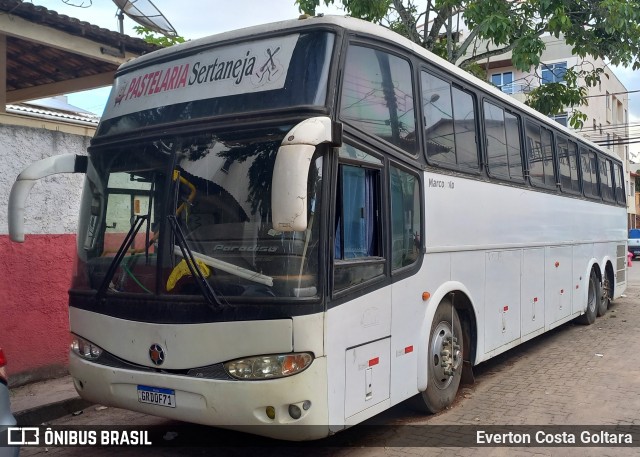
(360, 321)
(408, 316)
(308, 332)
(532, 293)
(558, 278)
(469, 269)
(502, 298)
(582, 261)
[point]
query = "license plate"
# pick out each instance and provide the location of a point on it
(157, 396)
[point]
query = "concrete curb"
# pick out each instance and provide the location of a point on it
(49, 412)
(44, 401)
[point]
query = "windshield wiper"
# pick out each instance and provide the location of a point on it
(207, 291)
(124, 247)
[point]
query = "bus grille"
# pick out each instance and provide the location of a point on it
(215, 371)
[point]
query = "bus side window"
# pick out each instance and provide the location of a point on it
(547, 154)
(357, 232)
(567, 162)
(606, 183)
(514, 148)
(377, 96)
(358, 238)
(588, 160)
(540, 156)
(496, 141)
(534, 154)
(564, 170)
(593, 163)
(502, 137)
(619, 183)
(573, 166)
(450, 124)
(405, 218)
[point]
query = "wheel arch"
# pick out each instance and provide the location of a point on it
(467, 313)
(592, 265)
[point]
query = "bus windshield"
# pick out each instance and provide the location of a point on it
(255, 75)
(216, 213)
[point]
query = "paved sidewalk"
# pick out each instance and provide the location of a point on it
(40, 402)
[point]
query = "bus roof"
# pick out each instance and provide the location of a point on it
(357, 26)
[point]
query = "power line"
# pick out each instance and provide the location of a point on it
(614, 93)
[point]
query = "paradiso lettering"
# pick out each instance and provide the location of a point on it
(179, 76)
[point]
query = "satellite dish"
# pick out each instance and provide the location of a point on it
(145, 13)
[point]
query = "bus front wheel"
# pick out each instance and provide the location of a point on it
(445, 360)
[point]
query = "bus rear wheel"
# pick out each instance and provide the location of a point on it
(593, 301)
(605, 295)
(445, 360)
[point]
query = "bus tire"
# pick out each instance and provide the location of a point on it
(445, 360)
(605, 297)
(593, 301)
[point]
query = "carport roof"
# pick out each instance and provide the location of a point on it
(49, 53)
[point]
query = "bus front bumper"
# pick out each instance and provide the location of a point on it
(236, 405)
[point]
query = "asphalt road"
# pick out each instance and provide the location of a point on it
(580, 375)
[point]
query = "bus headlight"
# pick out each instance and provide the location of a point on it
(268, 366)
(85, 349)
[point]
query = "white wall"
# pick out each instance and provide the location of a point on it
(52, 206)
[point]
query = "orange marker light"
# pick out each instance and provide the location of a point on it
(426, 296)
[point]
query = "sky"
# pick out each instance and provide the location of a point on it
(198, 18)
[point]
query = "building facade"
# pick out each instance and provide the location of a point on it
(44, 54)
(35, 275)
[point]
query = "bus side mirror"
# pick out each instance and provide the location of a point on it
(291, 171)
(64, 163)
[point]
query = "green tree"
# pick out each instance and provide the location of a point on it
(159, 39)
(600, 29)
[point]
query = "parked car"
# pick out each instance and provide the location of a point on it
(6, 418)
(634, 242)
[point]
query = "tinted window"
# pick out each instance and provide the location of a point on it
(534, 154)
(589, 169)
(464, 123)
(547, 152)
(619, 184)
(438, 117)
(540, 155)
(573, 165)
(358, 237)
(496, 140)
(450, 124)
(502, 136)
(377, 96)
(405, 218)
(567, 161)
(606, 181)
(514, 146)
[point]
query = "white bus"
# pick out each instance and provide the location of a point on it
(308, 222)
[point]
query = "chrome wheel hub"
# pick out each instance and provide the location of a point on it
(446, 355)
